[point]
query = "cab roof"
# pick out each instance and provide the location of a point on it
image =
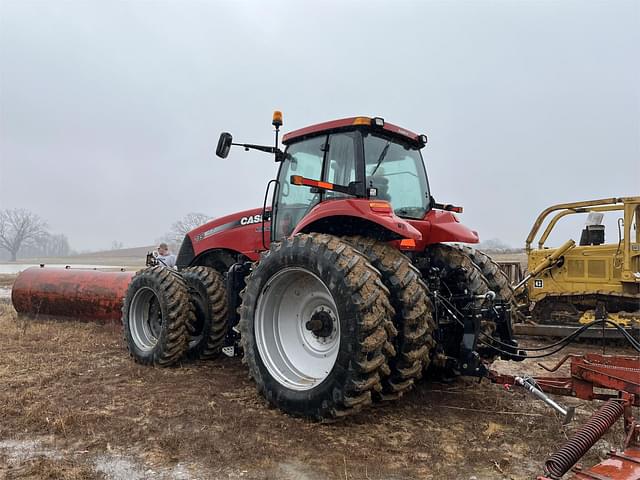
(370, 123)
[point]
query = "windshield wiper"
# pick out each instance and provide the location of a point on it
(383, 153)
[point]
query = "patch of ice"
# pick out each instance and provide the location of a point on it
(180, 472)
(120, 468)
(112, 466)
(21, 450)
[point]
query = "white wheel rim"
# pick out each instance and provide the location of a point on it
(297, 355)
(145, 323)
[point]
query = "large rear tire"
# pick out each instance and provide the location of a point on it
(497, 280)
(458, 276)
(155, 313)
(313, 331)
(208, 327)
(414, 313)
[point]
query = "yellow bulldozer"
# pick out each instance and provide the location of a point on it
(571, 285)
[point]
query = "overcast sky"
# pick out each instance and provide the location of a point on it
(110, 111)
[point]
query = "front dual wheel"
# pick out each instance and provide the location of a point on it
(313, 321)
(155, 314)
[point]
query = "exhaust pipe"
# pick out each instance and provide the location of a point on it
(71, 293)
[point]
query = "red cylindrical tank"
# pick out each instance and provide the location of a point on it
(68, 292)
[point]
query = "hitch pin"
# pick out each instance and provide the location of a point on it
(490, 296)
(532, 388)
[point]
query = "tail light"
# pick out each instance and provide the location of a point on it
(407, 243)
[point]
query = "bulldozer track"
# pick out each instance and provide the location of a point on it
(580, 302)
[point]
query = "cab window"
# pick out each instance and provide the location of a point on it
(293, 202)
(340, 166)
(397, 173)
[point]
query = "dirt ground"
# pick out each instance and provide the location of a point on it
(74, 406)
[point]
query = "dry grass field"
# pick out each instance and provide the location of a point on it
(73, 405)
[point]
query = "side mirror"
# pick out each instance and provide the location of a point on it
(224, 145)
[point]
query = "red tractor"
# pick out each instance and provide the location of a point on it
(340, 294)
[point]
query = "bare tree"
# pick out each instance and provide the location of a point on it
(58, 245)
(18, 228)
(117, 245)
(47, 245)
(190, 221)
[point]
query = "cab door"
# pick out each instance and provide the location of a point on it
(292, 202)
(329, 158)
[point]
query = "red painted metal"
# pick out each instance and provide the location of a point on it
(242, 232)
(439, 226)
(623, 465)
(239, 232)
(619, 466)
(69, 292)
(358, 208)
(326, 127)
(618, 373)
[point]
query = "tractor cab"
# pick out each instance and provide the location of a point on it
(354, 176)
(356, 157)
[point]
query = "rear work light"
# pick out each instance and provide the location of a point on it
(377, 122)
(380, 207)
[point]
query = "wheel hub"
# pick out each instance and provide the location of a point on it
(321, 323)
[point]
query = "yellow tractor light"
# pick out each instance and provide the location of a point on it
(362, 121)
(277, 119)
(380, 207)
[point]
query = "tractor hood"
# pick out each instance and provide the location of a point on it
(234, 220)
(239, 232)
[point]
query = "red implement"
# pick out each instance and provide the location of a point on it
(591, 376)
(619, 466)
(72, 293)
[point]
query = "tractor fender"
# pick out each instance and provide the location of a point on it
(444, 226)
(357, 213)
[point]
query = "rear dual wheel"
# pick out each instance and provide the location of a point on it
(461, 286)
(497, 280)
(413, 317)
(314, 327)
